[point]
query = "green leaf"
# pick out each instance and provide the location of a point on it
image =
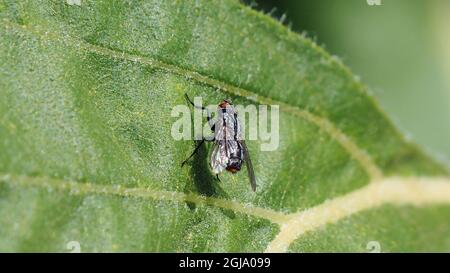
(86, 153)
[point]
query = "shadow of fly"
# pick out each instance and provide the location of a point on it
(229, 151)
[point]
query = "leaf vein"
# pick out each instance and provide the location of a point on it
(85, 188)
(416, 191)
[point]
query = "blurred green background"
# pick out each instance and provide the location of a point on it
(400, 49)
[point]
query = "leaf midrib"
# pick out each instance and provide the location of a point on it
(417, 191)
(86, 188)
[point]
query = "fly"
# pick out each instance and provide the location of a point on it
(229, 151)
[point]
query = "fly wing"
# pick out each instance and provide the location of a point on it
(219, 157)
(248, 162)
(219, 128)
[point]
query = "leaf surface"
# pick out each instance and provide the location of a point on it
(86, 152)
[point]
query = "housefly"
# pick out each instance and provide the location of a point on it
(229, 151)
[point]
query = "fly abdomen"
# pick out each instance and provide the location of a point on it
(235, 158)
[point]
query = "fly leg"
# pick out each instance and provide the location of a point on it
(210, 122)
(208, 114)
(194, 152)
